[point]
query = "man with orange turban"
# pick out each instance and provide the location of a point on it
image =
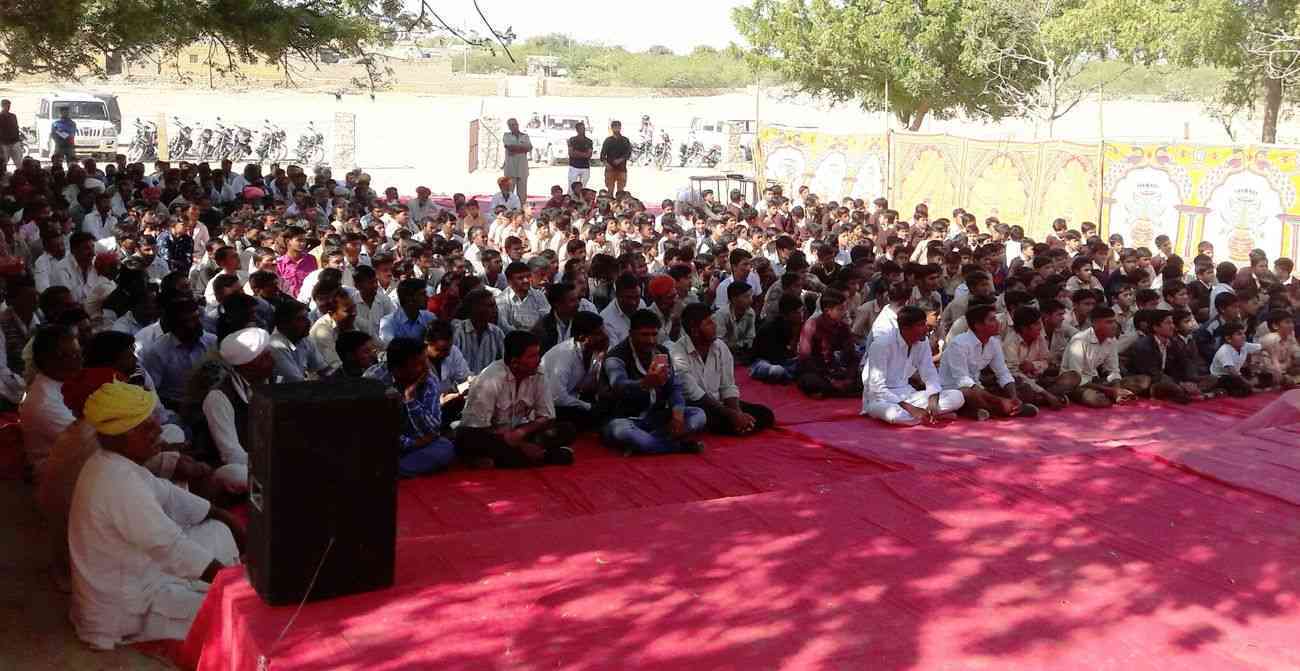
(142, 548)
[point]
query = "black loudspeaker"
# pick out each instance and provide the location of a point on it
(322, 489)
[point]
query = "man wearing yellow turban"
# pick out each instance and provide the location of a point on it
(143, 549)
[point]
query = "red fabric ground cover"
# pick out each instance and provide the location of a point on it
(1083, 561)
(1138, 538)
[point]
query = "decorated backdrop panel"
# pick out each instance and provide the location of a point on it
(1237, 198)
(1000, 179)
(1069, 187)
(832, 166)
(926, 169)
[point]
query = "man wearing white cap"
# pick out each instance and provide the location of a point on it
(142, 548)
(247, 355)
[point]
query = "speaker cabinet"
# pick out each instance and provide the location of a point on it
(322, 489)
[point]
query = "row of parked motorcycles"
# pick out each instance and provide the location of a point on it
(218, 141)
(692, 153)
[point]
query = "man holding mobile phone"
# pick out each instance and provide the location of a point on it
(650, 414)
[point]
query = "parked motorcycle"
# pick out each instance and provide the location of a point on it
(204, 145)
(696, 154)
(272, 143)
(663, 151)
(241, 144)
(144, 146)
(180, 143)
(311, 146)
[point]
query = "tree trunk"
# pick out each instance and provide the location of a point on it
(918, 116)
(1272, 106)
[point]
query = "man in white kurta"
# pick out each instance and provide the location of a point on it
(142, 548)
(892, 359)
(518, 148)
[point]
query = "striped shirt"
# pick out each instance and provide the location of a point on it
(480, 350)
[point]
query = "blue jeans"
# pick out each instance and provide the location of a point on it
(644, 436)
(65, 149)
(768, 371)
(425, 460)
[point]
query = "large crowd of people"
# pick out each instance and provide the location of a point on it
(144, 305)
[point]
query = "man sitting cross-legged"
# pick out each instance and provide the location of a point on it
(776, 346)
(892, 360)
(708, 374)
(830, 367)
(967, 355)
(1038, 379)
(422, 449)
(573, 368)
(138, 543)
(1092, 353)
(1281, 353)
(509, 415)
(1157, 355)
(650, 412)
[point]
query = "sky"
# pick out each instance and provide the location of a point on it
(679, 25)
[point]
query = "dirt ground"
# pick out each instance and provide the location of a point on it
(35, 634)
(409, 139)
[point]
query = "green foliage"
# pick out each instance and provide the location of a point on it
(1118, 79)
(598, 65)
(924, 55)
(1255, 41)
(983, 58)
(68, 37)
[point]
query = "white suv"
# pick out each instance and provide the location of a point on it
(94, 114)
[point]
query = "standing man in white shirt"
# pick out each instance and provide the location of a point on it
(892, 359)
(518, 148)
(138, 543)
(970, 353)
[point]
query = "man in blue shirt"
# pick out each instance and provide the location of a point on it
(170, 360)
(63, 136)
(411, 319)
(423, 450)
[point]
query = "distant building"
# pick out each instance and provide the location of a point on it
(545, 66)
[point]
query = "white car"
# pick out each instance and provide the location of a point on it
(94, 114)
(550, 135)
(711, 133)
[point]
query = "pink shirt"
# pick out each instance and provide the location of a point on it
(292, 273)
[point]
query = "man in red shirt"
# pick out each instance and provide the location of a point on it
(294, 266)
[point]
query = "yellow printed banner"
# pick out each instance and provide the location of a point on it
(1021, 183)
(1238, 198)
(832, 166)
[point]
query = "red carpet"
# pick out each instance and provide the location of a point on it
(1128, 539)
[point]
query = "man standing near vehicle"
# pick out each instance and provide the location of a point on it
(580, 150)
(11, 145)
(63, 133)
(518, 146)
(614, 153)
